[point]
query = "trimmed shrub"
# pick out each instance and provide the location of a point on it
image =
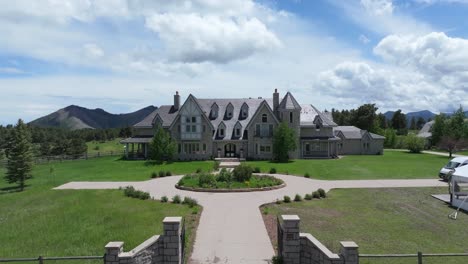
(316, 195)
(168, 173)
(176, 199)
(297, 198)
(242, 173)
(190, 202)
(307, 175)
(206, 180)
(308, 196)
(198, 170)
(286, 199)
(277, 260)
(154, 175)
(164, 199)
(278, 201)
(129, 191)
(224, 176)
(195, 211)
(256, 170)
(161, 174)
(322, 193)
(272, 171)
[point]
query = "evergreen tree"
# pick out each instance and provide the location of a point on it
(399, 122)
(162, 148)
(284, 140)
(20, 159)
(77, 147)
(365, 117)
(420, 122)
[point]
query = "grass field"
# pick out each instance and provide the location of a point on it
(42, 221)
(391, 165)
(95, 147)
(383, 221)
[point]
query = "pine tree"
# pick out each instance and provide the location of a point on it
(20, 159)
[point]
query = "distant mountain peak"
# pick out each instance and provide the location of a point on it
(77, 117)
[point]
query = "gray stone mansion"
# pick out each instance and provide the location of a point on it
(243, 128)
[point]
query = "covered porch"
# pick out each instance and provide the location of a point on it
(318, 147)
(136, 147)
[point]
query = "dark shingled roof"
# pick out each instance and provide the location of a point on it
(166, 112)
(352, 132)
(252, 103)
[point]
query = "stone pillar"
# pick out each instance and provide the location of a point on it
(172, 244)
(291, 240)
(350, 252)
(113, 249)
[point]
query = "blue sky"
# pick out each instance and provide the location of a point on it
(123, 55)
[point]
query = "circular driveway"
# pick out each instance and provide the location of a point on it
(231, 228)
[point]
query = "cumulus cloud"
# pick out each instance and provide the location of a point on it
(421, 72)
(196, 38)
(436, 55)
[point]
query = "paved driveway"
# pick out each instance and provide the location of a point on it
(231, 228)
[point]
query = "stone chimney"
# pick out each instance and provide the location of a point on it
(275, 101)
(176, 101)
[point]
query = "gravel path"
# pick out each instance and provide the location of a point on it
(231, 228)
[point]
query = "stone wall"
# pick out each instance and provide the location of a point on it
(303, 248)
(159, 249)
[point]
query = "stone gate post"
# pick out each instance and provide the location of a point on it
(291, 240)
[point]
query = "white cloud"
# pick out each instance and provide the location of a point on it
(381, 17)
(378, 7)
(196, 38)
(435, 54)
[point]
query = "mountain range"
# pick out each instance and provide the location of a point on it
(77, 117)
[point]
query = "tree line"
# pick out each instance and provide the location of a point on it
(60, 141)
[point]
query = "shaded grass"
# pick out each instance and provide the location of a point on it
(391, 165)
(384, 221)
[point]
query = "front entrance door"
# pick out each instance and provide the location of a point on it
(230, 150)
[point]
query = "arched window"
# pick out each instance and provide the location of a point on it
(264, 118)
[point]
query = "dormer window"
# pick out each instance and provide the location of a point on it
(221, 130)
(237, 130)
(264, 118)
(229, 111)
(214, 111)
(244, 111)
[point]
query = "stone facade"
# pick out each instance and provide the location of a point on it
(243, 128)
(163, 249)
(303, 248)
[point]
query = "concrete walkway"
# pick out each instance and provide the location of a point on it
(231, 228)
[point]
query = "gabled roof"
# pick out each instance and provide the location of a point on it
(309, 114)
(352, 132)
(204, 114)
(289, 103)
(165, 112)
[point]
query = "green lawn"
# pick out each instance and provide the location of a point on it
(390, 165)
(113, 169)
(383, 221)
(95, 147)
(42, 221)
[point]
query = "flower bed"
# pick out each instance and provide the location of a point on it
(226, 181)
